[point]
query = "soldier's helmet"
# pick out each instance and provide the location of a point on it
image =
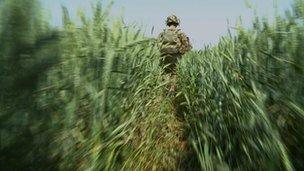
(172, 19)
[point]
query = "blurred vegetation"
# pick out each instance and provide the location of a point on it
(94, 97)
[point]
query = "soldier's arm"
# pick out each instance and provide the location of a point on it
(159, 39)
(186, 45)
(189, 44)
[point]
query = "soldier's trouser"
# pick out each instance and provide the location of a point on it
(170, 62)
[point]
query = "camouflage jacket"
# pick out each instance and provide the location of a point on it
(183, 45)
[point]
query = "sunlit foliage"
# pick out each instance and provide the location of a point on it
(92, 96)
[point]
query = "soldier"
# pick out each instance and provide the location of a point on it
(172, 43)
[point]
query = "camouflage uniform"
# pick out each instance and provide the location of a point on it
(172, 50)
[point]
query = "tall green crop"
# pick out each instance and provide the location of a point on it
(92, 96)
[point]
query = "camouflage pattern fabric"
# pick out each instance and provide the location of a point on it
(173, 43)
(169, 62)
(169, 41)
(173, 19)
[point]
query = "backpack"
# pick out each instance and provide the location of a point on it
(170, 42)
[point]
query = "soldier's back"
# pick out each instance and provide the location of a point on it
(169, 41)
(172, 43)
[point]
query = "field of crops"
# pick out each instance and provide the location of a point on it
(94, 97)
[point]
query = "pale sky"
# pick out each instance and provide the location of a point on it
(204, 21)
